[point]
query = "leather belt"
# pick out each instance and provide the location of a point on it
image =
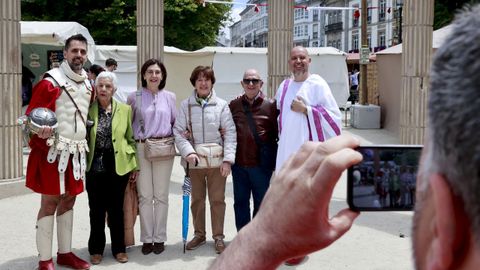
(155, 138)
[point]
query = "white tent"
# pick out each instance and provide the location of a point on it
(43, 42)
(389, 79)
(229, 65)
(54, 33)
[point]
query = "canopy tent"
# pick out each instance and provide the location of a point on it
(42, 44)
(438, 38)
(389, 79)
(229, 64)
(55, 33)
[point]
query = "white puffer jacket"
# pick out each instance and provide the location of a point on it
(206, 125)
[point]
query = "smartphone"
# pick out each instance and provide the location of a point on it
(385, 180)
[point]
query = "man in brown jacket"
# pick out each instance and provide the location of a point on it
(255, 118)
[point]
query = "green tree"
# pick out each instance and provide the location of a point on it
(188, 25)
(445, 11)
(192, 25)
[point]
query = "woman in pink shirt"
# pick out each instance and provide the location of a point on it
(153, 117)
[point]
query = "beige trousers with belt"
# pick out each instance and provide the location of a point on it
(153, 187)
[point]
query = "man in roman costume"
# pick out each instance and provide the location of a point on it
(57, 163)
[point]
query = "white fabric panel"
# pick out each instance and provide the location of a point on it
(179, 68)
(55, 33)
(229, 69)
(333, 69)
(229, 65)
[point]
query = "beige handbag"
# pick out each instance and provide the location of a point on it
(159, 149)
(210, 155)
(156, 149)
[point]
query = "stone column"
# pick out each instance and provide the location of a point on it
(150, 34)
(416, 60)
(280, 42)
(11, 167)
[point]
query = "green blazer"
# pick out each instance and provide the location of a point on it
(124, 147)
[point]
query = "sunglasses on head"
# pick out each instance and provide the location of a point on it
(253, 81)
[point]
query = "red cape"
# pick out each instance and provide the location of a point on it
(42, 176)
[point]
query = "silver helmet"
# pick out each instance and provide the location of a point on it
(39, 117)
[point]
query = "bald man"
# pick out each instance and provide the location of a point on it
(255, 118)
(308, 110)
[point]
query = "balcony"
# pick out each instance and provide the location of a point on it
(381, 16)
(333, 27)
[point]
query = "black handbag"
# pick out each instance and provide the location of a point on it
(267, 151)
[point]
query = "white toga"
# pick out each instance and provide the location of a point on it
(322, 122)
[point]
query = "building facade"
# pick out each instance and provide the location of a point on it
(383, 25)
(315, 27)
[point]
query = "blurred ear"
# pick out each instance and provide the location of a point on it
(449, 226)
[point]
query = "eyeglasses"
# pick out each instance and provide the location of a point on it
(151, 72)
(253, 81)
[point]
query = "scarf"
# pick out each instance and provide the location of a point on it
(203, 101)
(78, 78)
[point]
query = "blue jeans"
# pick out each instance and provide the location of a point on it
(246, 181)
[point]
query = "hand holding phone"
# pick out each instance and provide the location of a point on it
(385, 180)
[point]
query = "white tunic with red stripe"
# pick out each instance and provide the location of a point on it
(323, 119)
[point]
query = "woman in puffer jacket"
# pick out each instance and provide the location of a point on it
(203, 118)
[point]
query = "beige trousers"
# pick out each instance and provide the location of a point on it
(210, 180)
(152, 187)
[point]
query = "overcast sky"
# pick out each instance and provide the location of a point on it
(236, 9)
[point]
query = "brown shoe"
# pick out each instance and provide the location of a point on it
(219, 246)
(121, 257)
(96, 259)
(158, 248)
(147, 248)
(196, 242)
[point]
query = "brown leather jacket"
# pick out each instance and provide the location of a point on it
(265, 115)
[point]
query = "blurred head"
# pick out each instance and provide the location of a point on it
(203, 79)
(105, 86)
(153, 74)
(447, 217)
(111, 64)
(94, 70)
(251, 83)
(75, 52)
(299, 62)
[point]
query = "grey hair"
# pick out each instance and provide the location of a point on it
(454, 122)
(108, 75)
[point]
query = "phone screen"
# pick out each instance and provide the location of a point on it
(385, 180)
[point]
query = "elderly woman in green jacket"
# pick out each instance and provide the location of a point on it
(112, 162)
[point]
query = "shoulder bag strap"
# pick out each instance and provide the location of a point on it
(138, 110)
(251, 123)
(190, 122)
(77, 110)
(282, 97)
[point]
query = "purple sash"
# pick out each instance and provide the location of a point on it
(282, 97)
